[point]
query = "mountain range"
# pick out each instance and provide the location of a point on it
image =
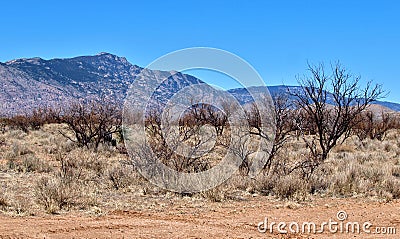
(26, 84)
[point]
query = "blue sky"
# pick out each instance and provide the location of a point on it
(276, 37)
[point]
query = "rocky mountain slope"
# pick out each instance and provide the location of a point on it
(26, 84)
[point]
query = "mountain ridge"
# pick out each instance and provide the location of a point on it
(28, 83)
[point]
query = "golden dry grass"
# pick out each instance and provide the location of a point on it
(43, 172)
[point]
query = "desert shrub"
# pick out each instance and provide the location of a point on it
(3, 125)
(21, 205)
(396, 171)
(291, 186)
(320, 180)
(11, 163)
(15, 134)
(3, 201)
(31, 163)
(19, 122)
(74, 184)
(2, 141)
(345, 183)
(374, 173)
(26, 163)
(266, 183)
(30, 121)
(372, 126)
(216, 194)
(14, 157)
(91, 123)
(55, 193)
(81, 165)
(19, 149)
(120, 176)
(393, 187)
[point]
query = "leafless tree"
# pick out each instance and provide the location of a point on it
(374, 126)
(200, 114)
(30, 120)
(91, 123)
(285, 126)
(332, 102)
(174, 144)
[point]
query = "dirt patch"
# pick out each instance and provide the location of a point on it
(185, 219)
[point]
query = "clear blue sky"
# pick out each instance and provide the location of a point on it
(276, 37)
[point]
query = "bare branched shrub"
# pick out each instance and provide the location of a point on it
(201, 114)
(91, 123)
(120, 176)
(54, 193)
(31, 120)
(3, 201)
(166, 147)
(332, 115)
(284, 123)
(374, 126)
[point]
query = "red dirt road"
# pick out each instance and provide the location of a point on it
(206, 220)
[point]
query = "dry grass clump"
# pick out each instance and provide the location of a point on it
(3, 201)
(21, 158)
(217, 194)
(56, 193)
(75, 183)
(363, 172)
(120, 176)
(396, 171)
(291, 187)
(368, 168)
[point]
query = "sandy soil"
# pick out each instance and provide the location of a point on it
(191, 219)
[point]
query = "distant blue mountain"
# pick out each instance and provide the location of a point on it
(243, 95)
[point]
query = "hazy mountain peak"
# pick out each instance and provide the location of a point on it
(34, 61)
(110, 56)
(28, 83)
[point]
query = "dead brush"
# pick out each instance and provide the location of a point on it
(31, 163)
(82, 165)
(55, 193)
(3, 201)
(396, 171)
(393, 187)
(120, 176)
(292, 187)
(214, 195)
